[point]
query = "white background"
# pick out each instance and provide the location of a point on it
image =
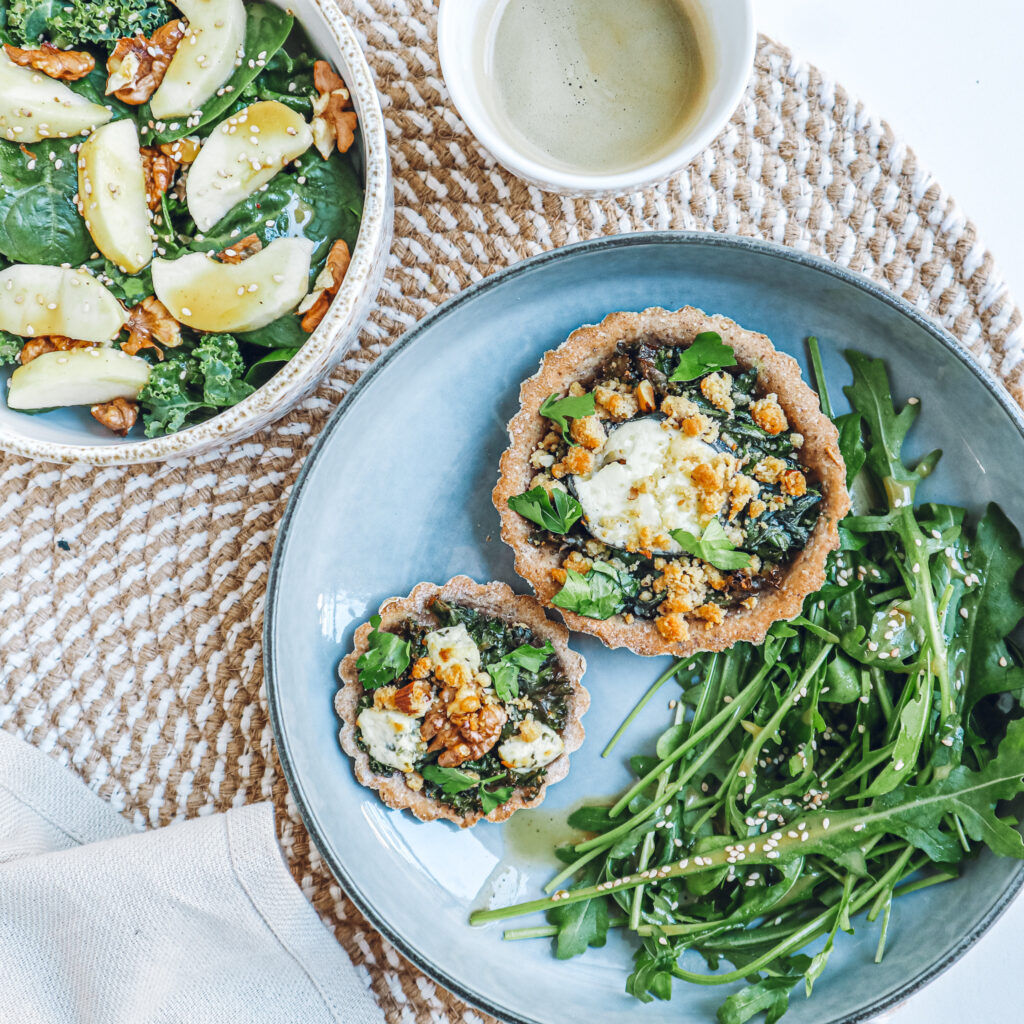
(948, 76)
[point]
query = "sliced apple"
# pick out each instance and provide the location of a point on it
(211, 296)
(37, 300)
(80, 376)
(205, 58)
(242, 154)
(112, 190)
(34, 107)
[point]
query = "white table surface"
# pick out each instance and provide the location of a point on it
(948, 77)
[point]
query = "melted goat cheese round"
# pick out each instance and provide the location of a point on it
(642, 481)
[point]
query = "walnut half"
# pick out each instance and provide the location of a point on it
(151, 325)
(66, 65)
(315, 305)
(462, 735)
(119, 415)
(334, 120)
(138, 65)
(35, 347)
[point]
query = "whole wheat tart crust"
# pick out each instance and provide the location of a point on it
(500, 602)
(580, 358)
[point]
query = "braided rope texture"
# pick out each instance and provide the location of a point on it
(131, 600)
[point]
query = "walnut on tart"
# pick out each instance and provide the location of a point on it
(671, 484)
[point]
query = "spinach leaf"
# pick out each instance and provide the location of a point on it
(10, 348)
(556, 511)
(707, 352)
(386, 659)
(193, 384)
(288, 79)
(561, 410)
(39, 222)
(283, 333)
(712, 546)
(316, 199)
(131, 289)
(263, 369)
(267, 27)
(599, 594)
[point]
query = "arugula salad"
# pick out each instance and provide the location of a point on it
(179, 196)
(862, 752)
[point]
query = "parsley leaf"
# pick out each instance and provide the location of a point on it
(505, 673)
(506, 680)
(489, 799)
(529, 657)
(387, 658)
(451, 780)
(556, 511)
(561, 410)
(712, 546)
(599, 594)
(707, 352)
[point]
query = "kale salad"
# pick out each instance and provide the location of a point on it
(466, 712)
(179, 195)
(865, 750)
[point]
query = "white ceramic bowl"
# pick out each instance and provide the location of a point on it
(462, 31)
(72, 435)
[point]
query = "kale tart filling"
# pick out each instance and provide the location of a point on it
(671, 484)
(461, 702)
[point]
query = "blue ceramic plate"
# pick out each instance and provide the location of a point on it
(398, 489)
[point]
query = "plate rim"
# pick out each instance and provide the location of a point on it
(724, 241)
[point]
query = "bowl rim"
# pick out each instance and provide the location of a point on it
(273, 685)
(579, 183)
(322, 348)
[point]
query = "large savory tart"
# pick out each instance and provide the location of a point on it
(671, 483)
(461, 702)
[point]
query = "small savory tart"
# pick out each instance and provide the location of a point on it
(461, 702)
(671, 484)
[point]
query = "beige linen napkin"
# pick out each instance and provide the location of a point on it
(197, 922)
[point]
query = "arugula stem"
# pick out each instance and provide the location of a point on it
(641, 704)
(571, 870)
(730, 713)
(820, 383)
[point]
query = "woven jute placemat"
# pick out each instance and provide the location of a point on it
(131, 601)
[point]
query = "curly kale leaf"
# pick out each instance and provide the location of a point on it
(193, 385)
(10, 346)
(68, 23)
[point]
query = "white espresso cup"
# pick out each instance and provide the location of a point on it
(728, 38)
